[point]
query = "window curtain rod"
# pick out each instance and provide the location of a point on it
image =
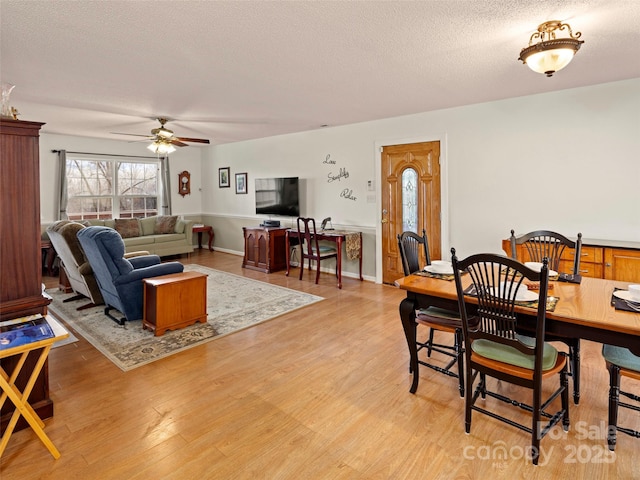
(106, 154)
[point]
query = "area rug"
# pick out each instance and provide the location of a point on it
(233, 303)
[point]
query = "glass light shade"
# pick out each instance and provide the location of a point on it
(165, 133)
(161, 148)
(550, 61)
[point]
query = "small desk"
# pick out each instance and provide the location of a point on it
(20, 399)
(337, 236)
(583, 311)
(204, 228)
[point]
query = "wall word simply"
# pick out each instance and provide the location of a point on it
(333, 177)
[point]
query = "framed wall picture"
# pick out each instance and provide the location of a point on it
(241, 183)
(223, 177)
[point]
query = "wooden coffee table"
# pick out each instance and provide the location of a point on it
(174, 301)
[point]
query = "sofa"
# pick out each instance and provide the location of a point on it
(160, 235)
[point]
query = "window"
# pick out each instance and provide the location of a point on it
(111, 188)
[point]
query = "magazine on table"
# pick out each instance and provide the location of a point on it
(27, 330)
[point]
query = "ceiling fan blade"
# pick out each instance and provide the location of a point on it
(178, 143)
(131, 134)
(193, 140)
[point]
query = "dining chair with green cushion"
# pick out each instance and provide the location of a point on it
(552, 245)
(620, 363)
(311, 248)
(494, 348)
(414, 254)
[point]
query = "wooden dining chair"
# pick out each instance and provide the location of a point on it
(494, 348)
(620, 363)
(542, 244)
(414, 254)
(310, 247)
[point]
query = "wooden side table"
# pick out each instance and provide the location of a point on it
(174, 301)
(199, 229)
(9, 386)
(48, 257)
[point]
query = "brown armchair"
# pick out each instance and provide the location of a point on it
(65, 242)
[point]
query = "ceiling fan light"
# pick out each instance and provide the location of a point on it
(161, 148)
(550, 54)
(165, 133)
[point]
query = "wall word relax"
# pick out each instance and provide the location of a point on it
(347, 194)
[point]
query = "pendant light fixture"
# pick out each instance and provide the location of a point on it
(551, 52)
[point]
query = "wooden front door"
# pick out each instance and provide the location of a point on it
(410, 200)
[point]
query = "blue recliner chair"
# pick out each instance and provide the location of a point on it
(120, 279)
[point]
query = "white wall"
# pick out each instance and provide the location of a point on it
(566, 161)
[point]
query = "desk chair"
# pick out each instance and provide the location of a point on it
(310, 248)
(545, 243)
(620, 363)
(414, 252)
(494, 348)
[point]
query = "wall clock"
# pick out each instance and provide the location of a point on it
(184, 183)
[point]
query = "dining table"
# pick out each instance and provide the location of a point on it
(585, 310)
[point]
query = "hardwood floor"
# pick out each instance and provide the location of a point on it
(319, 393)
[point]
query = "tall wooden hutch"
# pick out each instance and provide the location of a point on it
(20, 253)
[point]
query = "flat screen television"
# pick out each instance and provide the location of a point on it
(278, 196)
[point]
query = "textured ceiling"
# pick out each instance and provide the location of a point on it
(231, 71)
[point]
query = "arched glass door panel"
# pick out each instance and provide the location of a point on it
(410, 200)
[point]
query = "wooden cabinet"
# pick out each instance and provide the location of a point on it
(264, 248)
(588, 266)
(174, 301)
(622, 264)
(599, 259)
(590, 261)
(20, 250)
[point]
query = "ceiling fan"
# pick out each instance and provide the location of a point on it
(163, 139)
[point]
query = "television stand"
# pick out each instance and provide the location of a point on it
(265, 248)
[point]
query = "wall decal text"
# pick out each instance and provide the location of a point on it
(347, 194)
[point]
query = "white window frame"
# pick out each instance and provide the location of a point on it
(114, 196)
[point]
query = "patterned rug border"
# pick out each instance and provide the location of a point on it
(223, 323)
